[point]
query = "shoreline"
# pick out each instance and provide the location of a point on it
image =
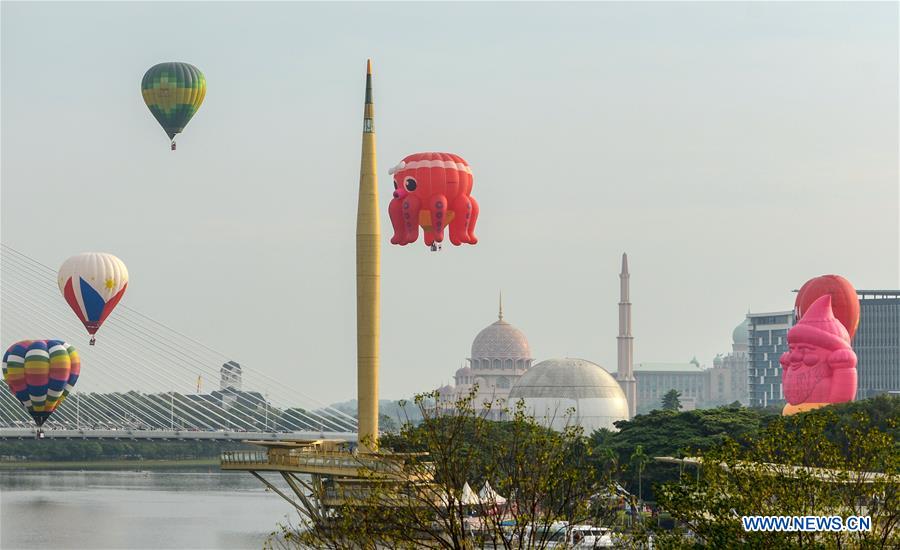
(160, 464)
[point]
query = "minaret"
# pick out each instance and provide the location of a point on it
(625, 374)
(500, 314)
(368, 278)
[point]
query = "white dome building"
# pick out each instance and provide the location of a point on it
(500, 355)
(553, 386)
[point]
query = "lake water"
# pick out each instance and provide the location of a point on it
(137, 510)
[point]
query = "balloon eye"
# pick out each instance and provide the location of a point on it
(410, 184)
(395, 184)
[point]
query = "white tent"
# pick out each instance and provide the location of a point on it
(468, 496)
(489, 496)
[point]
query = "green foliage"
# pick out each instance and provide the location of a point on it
(87, 449)
(671, 400)
(881, 413)
(831, 446)
(554, 476)
(546, 475)
(638, 460)
(678, 434)
(664, 433)
(671, 433)
(386, 424)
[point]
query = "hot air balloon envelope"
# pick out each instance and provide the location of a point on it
(173, 92)
(40, 374)
(844, 300)
(819, 367)
(92, 284)
(433, 190)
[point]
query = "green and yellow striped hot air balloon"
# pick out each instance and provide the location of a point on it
(173, 92)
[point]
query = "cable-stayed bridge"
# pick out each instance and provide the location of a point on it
(139, 352)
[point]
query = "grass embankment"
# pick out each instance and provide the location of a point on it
(108, 464)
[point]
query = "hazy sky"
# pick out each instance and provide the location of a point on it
(733, 150)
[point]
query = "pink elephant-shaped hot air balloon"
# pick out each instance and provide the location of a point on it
(433, 190)
(820, 366)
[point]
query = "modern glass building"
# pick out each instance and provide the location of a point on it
(877, 342)
(767, 341)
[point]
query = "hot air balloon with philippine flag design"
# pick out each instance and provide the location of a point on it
(173, 92)
(92, 284)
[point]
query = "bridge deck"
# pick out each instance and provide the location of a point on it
(30, 433)
(329, 463)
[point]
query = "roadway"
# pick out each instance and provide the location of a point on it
(164, 435)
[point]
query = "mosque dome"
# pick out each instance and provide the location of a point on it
(555, 385)
(741, 337)
(741, 334)
(501, 340)
(465, 371)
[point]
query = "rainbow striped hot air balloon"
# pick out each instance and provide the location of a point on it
(173, 92)
(92, 284)
(41, 373)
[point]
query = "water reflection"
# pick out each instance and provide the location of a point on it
(136, 510)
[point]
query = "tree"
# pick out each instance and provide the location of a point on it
(387, 424)
(546, 476)
(638, 460)
(670, 433)
(797, 466)
(671, 401)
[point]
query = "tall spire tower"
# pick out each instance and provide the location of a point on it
(368, 279)
(625, 373)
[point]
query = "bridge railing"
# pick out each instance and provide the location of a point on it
(319, 459)
(244, 457)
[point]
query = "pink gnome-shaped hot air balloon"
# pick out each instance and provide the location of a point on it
(820, 366)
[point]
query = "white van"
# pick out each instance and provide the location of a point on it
(582, 536)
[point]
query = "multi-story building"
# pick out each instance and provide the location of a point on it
(728, 377)
(230, 376)
(767, 340)
(726, 383)
(877, 342)
(723, 384)
(654, 380)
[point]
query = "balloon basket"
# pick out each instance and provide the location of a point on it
(173, 145)
(93, 341)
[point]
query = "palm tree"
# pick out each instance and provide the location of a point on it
(609, 459)
(638, 460)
